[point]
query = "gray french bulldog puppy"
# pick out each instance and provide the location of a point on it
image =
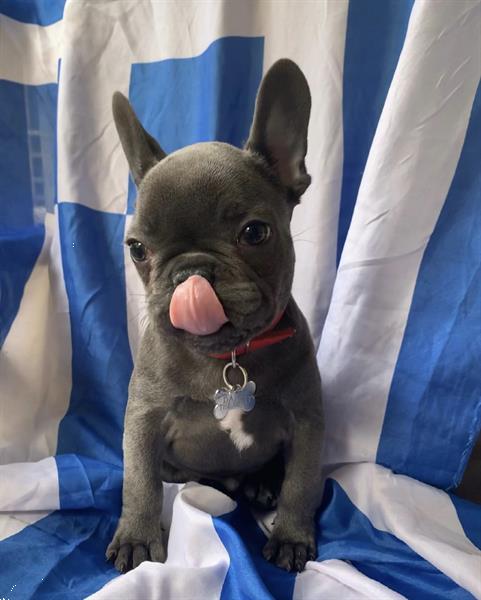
(211, 241)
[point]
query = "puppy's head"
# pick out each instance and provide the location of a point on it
(211, 234)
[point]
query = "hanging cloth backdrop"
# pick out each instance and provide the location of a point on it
(388, 243)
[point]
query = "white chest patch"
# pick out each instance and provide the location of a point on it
(232, 423)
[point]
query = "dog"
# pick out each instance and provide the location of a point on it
(225, 388)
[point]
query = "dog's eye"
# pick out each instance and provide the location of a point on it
(255, 233)
(138, 251)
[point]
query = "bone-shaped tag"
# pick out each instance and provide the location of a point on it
(238, 397)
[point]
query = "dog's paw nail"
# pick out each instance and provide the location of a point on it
(285, 557)
(269, 551)
(300, 564)
(121, 565)
(110, 555)
(300, 557)
(157, 552)
(284, 564)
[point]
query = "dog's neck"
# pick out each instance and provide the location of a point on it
(268, 337)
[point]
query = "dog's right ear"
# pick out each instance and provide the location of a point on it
(281, 119)
(140, 148)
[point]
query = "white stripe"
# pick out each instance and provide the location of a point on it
(197, 561)
(421, 516)
(29, 53)
(319, 51)
(338, 579)
(29, 486)
(92, 168)
(35, 362)
(15, 522)
(410, 167)
(30, 491)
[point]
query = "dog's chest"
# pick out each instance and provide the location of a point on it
(238, 442)
(233, 424)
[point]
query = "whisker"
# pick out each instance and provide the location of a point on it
(303, 232)
(306, 241)
(139, 318)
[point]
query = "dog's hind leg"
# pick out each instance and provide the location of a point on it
(262, 488)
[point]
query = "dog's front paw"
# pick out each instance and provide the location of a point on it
(127, 550)
(290, 552)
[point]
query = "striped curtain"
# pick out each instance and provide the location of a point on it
(388, 273)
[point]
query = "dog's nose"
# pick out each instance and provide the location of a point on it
(184, 274)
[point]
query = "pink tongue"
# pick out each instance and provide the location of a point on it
(195, 307)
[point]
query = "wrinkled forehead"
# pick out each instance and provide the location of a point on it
(202, 184)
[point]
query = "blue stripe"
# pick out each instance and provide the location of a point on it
(374, 38)
(346, 533)
(93, 265)
(27, 186)
(88, 483)
(28, 140)
(60, 557)
(249, 575)
(19, 251)
(37, 12)
(16, 208)
(63, 555)
(208, 97)
(433, 414)
(469, 515)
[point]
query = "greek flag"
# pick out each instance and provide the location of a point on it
(388, 273)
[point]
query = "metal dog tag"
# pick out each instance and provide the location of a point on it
(234, 396)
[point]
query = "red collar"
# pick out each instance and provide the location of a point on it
(266, 338)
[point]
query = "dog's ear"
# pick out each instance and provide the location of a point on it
(279, 128)
(140, 148)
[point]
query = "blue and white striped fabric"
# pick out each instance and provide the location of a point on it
(388, 243)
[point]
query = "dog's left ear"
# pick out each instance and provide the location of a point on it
(140, 148)
(279, 128)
